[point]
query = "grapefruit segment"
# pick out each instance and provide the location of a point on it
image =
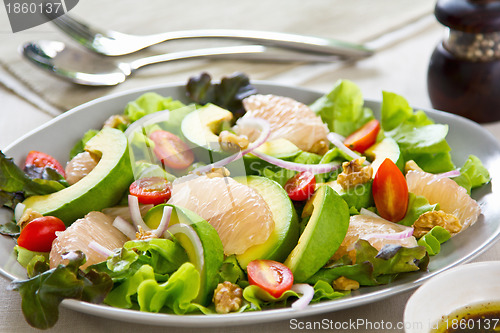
(451, 197)
(240, 215)
(289, 119)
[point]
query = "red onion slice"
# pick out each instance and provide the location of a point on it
(100, 249)
(189, 232)
(135, 213)
(307, 292)
(337, 141)
(449, 174)
(165, 220)
(312, 168)
(265, 131)
(125, 227)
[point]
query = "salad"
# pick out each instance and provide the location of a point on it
(252, 201)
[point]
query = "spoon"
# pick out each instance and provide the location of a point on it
(85, 68)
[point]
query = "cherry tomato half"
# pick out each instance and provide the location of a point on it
(301, 186)
(390, 191)
(42, 160)
(171, 150)
(39, 234)
(151, 190)
(364, 137)
(272, 276)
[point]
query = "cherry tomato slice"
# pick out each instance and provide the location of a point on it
(42, 160)
(171, 150)
(301, 186)
(364, 137)
(390, 191)
(39, 234)
(272, 276)
(151, 190)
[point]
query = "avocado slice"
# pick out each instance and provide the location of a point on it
(286, 229)
(213, 252)
(102, 187)
(201, 130)
(359, 196)
(387, 148)
(323, 234)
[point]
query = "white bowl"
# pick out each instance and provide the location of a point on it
(462, 286)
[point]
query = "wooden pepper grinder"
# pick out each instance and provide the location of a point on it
(464, 70)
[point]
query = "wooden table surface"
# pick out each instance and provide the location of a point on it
(399, 67)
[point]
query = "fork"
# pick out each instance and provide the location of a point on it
(114, 43)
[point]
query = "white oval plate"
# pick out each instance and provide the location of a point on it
(465, 137)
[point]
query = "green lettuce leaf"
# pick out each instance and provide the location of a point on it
(177, 293)
(433, 239)
(417, 205)
(259, 298)
(342, 108)
(474, 169)
(418, 137)
(120, 296)
(374, 267)
(79, 147)
(150, 103)
(231, 271)
(42, 294)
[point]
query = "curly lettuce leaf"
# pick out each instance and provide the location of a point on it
(177, 294)
(373, 267)
(342, 108)
(474, 169)
(231, 271)
(433, 239)
(227, 94)
(42, 294)
(149, 103)
(417, 205)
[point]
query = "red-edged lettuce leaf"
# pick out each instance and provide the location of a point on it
(42, 294)
(227, 94)
(374, 267)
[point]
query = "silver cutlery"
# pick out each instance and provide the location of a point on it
(86, 68)
(113, 43)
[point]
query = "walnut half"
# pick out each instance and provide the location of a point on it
(429, 220)
(354, 173)
(227, 297)
(343, 283)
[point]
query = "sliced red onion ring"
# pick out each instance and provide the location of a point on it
(312, 168)
(307, 292)
(265, 131)
(125, 227)
(135, 213)
(100, 249)
(189, 232)
(337, 140)
(165, 220)
(449, 174)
